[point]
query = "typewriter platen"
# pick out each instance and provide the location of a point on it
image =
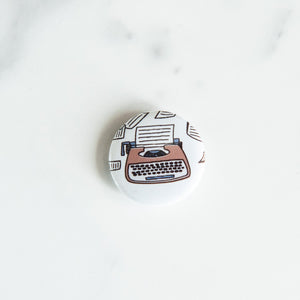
(155, 156)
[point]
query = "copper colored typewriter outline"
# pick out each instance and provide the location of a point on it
(175, 153)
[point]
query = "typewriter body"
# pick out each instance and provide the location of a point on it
(157, 161)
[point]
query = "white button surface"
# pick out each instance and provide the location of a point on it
(156, 157)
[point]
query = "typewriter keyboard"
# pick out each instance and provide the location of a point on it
(157, 171)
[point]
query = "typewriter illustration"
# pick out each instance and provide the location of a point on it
(155, 156)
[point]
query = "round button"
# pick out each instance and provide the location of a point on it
(156, 157)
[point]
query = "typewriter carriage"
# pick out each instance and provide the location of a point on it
(127, 146)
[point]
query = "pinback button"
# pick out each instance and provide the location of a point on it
(156, 157)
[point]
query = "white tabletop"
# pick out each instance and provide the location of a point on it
(72, 71)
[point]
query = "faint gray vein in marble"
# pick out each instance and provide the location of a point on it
(278, 31)
(22, 17)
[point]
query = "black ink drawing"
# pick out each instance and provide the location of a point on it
(134, 121)
(155, 156)
(120, 134)
(192, 132)
(114, 165)
(164, 115)
(130, 124)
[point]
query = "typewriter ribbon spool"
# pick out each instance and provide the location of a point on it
(156, 157)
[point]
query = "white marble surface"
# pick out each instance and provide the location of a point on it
(72, 71)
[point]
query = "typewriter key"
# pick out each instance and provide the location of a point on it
(156, 157)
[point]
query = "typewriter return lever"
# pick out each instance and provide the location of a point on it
(126, 146)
